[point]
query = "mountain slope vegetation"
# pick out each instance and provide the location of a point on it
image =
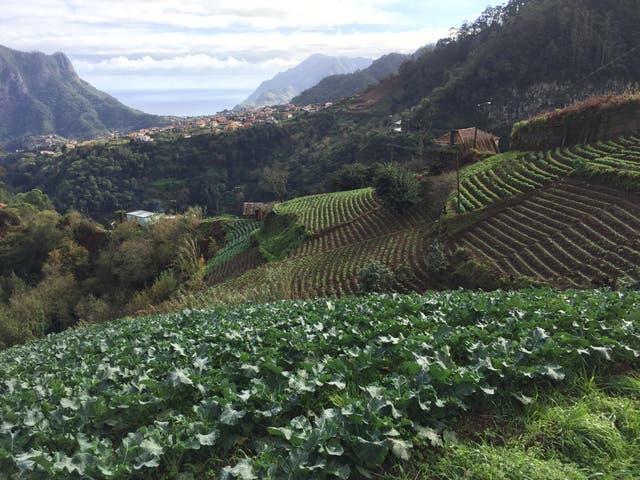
(286, 85)
(437, 89)
(524, 57)
(42, 94)
(336, 87)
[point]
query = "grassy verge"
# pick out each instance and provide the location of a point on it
(588, 429)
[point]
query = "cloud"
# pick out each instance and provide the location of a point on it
(109, 39)
(191, 64)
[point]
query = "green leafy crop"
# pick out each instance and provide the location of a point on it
(306, 389)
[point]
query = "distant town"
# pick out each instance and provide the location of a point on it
(186, 127)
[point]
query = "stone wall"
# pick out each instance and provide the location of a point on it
(593, 120)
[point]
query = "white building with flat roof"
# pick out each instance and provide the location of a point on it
(142, 217)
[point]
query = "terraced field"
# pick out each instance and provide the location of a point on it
(234, 258)
(507, 175)
(320, 212)
(377, 222)
(557, 228)
(510, 174)
(570, 234)
(348, 229)
(335, 272)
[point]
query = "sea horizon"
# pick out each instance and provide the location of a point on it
(182, 102)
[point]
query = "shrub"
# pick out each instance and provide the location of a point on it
(436, 259)
(397, 188)
(280, 235)
(375, 277)
(352, 177)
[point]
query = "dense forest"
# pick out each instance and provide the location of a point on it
(216, 172)
(523, 56)
(59, 271)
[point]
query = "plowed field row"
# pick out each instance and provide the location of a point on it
(506, 176)
(498, 181)
(247, 260)
(320, 212)
(376, 223)
(571, 234)
(335, 272)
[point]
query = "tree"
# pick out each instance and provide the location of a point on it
(352, 176)
(3, 193)
(274, 179)
(397, 188)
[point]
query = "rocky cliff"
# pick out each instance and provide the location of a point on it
(42, 94)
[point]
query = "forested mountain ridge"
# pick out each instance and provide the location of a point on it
(525, 57)
(335, 87)
(286, 85)
(42, 94)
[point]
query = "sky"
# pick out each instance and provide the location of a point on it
(219, 44)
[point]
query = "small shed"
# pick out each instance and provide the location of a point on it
(467, 139)
(142, 217)
(252, 209)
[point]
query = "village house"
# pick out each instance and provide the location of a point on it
(467, 139)
(142, 217)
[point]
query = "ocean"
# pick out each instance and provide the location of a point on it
(181, 102)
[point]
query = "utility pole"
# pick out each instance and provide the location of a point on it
(475, 135)
(452, 143)
(458, 178)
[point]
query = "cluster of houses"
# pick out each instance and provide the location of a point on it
(227, 121)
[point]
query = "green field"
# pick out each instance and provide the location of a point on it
(445, 385)
(515, 173)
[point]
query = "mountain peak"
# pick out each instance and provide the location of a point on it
(286, 85)
(43, 94)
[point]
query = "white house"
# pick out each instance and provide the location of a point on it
(142, 217)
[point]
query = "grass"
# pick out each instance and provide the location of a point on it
(586, 430)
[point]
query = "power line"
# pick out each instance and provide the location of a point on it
(610, 63)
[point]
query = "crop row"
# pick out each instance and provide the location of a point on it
(247, 259)
(483, 185)
(319, 212)
(570, 234)
(305, 389)
(335, 272)
(375, 223)
(511, 177)
(238, 233)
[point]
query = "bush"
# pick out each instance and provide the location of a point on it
(436, 259)
(397, 188)
(375, 277)
(352, 177)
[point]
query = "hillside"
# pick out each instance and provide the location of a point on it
(336, 87)
(437, 89)
(535, 384)
(526, 58)
(565, 217)
(595, 119)
(344, 232)
(286, 85)
(42, 94)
